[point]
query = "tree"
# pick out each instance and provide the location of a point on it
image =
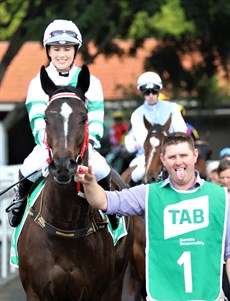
(27, 17)
(182, 26)
(186, 27)
(98, 21)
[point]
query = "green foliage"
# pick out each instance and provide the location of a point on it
(169, 20)
(12, 13)
(141, 26)
(211, 93)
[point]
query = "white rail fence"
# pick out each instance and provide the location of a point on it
(8, 176)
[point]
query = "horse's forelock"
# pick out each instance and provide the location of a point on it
(157, 128)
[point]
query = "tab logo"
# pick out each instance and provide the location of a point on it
(186, 216)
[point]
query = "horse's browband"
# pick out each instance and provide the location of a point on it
(64, 95)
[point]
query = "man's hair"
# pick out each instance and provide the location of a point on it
(176, 138)
(223, 165)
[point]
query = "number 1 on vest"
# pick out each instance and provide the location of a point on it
(185, 259)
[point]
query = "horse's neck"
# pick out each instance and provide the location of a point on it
(64, 201)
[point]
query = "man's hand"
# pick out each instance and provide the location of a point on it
(84, 174)
(94, 193)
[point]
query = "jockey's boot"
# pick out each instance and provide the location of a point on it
(105, 183)
(17, 207)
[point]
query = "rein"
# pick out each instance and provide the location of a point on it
(82, 151)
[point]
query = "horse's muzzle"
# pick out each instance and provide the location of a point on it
(63, 169)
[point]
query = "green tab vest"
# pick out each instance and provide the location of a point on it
(185, 235)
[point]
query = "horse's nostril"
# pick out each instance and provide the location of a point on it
(52, 167)
(72, 165)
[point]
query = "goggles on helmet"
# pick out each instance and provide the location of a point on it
(147, 92)
(63, 37)
(149, 88)
(69, 33)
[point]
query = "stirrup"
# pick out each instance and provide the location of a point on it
(17, 200)
(16, 209)
(13, 204)
(15, 212)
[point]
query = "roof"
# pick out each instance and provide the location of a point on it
(113, 71)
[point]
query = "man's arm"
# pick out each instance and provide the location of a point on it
(94, 193)
(228, 268)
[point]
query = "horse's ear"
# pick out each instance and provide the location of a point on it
(167, 124)
(46, 82)
(83, 79)
(146, 123)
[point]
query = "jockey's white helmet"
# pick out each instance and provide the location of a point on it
(62, 32)
(149, 80)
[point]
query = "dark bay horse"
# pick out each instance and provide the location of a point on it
(153, 173)
(65, 250)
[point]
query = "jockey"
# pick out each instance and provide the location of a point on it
(157, 112)
(62, 40)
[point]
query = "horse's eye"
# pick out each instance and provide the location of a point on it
(83, 120)
(46, 120)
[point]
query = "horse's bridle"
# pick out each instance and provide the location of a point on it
(86, 136)
(93, 226)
